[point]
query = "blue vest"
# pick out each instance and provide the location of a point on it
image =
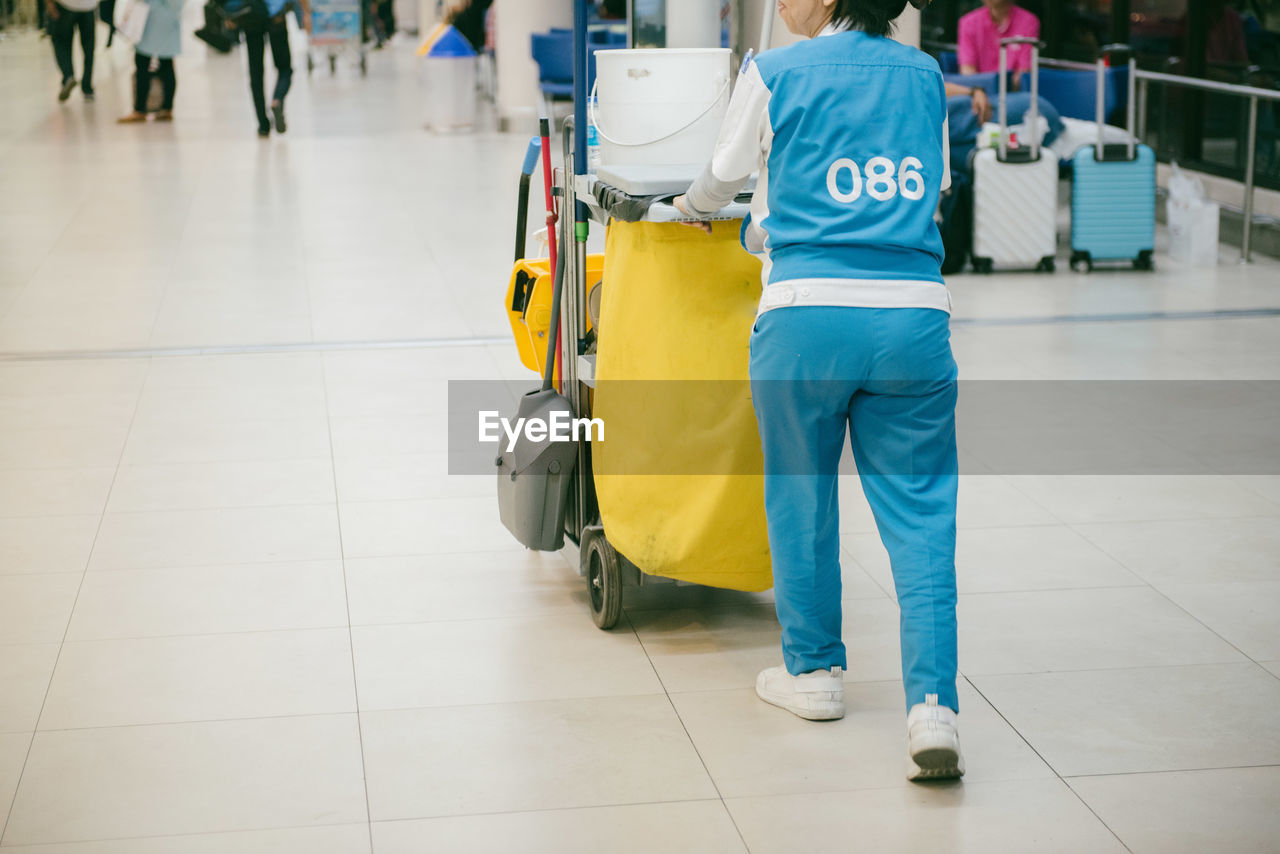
(856, 166)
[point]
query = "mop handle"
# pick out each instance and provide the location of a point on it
(522, 206)
(544, 131)
(553, 340)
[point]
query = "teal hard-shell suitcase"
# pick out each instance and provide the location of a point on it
(1113, 194)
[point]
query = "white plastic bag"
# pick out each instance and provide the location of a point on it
(131, 19)
(1193, 221)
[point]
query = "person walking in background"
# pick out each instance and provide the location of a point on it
(980, 33)
(65, 19)
(268, 22)
(107, 12)
(161, 40)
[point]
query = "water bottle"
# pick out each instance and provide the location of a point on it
(593, 137)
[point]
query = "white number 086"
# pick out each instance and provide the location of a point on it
(883, 180)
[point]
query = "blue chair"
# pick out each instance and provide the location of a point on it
(948, 62)
(553, 52)
(1075, 93)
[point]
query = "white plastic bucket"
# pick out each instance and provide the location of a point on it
(660, 107)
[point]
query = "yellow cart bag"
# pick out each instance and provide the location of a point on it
(679, 476)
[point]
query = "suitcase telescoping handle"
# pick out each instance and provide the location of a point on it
(1035, 94)
(1103, 55)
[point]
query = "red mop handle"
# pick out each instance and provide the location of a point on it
(553, 218)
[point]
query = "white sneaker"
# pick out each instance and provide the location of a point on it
(933, 742)
(815, 696)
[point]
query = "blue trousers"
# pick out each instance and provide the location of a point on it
(887, 377)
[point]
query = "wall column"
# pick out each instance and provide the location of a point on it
(517, 72)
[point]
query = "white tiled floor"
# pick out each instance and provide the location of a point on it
(243, 607)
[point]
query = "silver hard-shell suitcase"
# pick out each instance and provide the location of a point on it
(1015, 190)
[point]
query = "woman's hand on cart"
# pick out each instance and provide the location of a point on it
(679, 204)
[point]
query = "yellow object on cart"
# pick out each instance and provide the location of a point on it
(676, 313)
(529, 294)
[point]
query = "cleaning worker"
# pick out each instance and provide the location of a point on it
(848, 132)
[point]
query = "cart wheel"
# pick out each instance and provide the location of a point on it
(333, 64)
(1046, 265)
(1144, 261)
(1081, 262)
(364, 65)
(604, 582)
(982, 265)
(311, 63)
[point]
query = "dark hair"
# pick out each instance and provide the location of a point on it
(874, 17)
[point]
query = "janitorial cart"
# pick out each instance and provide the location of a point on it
(651, 338)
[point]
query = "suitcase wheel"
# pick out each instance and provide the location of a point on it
(1046, 265)
(1144, 261)
(604, 582)
(982, 265)
(1081, 262)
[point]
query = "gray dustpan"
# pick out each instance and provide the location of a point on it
(534, 476)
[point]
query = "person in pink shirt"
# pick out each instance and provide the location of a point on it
(982, 29)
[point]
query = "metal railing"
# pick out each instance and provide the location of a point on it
(1254, 94)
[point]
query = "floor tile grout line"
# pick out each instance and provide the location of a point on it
(536, 810)
(79, 206)
(173, 264)
(1205, 769)
(890, 594)
(1084, 319)
(702, 760)
(346, 590)
(249, 349)
(1079, 797)
(441, 817)
(1171, 520)
(1029, 497)
(204, 721)
(1009, 724)
(234, 633)
(168, 567)
(1046, 762)
(1002, 675)
(396, 710)
(1176, 605)
(4, 826)
(197, 834)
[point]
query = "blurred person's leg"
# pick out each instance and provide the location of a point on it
(86, 24)
(169, 81)
(253, 45)
(107, 12)
(142, 81)
(61, 32)
(283, 60)
(280, 55)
